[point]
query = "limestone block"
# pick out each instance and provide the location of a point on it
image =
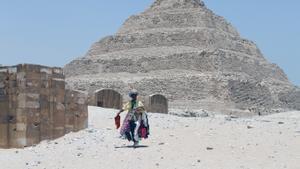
(57, 73)
(58, 119)
(33, 106)
(17, 130)
(69, 122)
(46, 71)
(58, 83)
(21, 115)
(33, 76)
(70, 109)
(76, 110)
(4, 123)
(28, 68)
(13, 100)
(81, 120)
(46, 117)
(33, 113)
(17, 135)
(31, 86)
(33, 127)
(4, 109)
(57, 99)
(3, 133)
(45, 84)
(21, 99)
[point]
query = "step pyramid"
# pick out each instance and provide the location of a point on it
(198, 60)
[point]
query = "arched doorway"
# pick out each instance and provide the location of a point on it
(157, 103)
(108, 98)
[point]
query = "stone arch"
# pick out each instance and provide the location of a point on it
(108, 98)
(157, 103)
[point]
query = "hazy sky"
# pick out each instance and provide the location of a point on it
(54, 32)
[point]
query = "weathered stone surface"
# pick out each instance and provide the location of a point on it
(108, 98)
(4, 109)
(156, 104)
(58, 107)
(76, 117)
(184, 51)
(291, 98)
(33, 105)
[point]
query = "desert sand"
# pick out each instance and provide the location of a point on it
(213, 142)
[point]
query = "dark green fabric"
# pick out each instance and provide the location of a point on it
(133, 104)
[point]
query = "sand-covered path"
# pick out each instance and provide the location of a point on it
(214, 142)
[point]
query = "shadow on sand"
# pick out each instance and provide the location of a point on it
(139, 146)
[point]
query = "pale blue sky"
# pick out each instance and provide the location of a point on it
(54, 32)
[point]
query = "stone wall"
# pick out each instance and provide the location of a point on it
(34, 105)
(4, 107)
(76, 117)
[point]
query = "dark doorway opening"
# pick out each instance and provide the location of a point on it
(100, 104)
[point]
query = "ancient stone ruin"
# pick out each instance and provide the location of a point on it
(108, 98)
(35, 105)
(194, 57)
(76, 115)
(156, 103)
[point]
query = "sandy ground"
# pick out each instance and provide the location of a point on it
(215, 142)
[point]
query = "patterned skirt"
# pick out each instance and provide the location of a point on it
(129, 131)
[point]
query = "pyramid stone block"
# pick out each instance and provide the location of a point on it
(184, 51)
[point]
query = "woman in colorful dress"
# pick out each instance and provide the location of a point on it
(135, 125)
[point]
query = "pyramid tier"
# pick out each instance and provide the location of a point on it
(189, 37)
(182, 50)
(158, 18)
(178, 57)
(231, 90)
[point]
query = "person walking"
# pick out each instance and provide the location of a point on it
(135, 125)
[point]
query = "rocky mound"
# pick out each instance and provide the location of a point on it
(181, 49)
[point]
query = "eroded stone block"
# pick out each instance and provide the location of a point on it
(76, 110)
(35, 106)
